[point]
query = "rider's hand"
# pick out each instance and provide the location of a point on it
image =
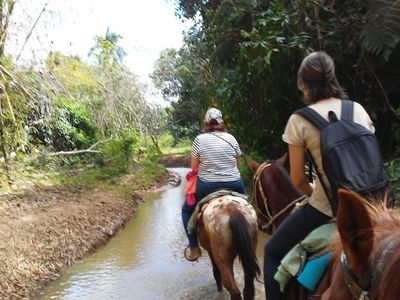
(312, 185)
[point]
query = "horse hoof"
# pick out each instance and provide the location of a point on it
(192, 254)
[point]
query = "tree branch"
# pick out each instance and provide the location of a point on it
(321, 41)
(21, 87)
(30, 32)
(99, 142)
(8, 100)
(71, 152)
(380, 85)
(5, 26)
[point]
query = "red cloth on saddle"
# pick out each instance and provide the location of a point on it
(190, 190)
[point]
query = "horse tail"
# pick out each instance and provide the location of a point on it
(242, 242)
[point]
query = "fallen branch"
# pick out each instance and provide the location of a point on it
(71, 152)
(100, 142)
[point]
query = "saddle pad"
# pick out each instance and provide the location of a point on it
(293, 262)
(191, 227)
(313, 271)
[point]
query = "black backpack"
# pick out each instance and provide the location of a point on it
(350, 154)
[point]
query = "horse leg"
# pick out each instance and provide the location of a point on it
(205, 242)
(228, 280)
(248, 291)
(216, 272)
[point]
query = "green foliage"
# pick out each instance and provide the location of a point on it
(148, 172)
(123, 148)
(245, 172)
(381, 33)
(169, 145)
(183, 76)
(137, 176)
(71, 76)
(106, 50)
(244, 57)
(69, 127)
(393, 169)
(66, 103)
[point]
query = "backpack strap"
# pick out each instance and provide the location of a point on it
(321, 179)
(347, 110)
(312, 116)
(319, 122)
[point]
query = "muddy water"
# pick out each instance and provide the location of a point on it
(145, 260)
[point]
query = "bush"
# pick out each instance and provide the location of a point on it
(69, 127)
(122, 149)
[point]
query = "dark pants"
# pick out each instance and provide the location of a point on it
(294, 229)
(203, 188)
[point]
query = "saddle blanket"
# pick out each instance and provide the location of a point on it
(295, 263)
(191, 227)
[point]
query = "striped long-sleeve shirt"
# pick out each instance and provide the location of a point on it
(217, 152)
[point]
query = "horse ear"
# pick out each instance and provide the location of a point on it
(253, 165)
(283, 159)
(355, 229)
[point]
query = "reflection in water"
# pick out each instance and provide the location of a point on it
(145, 260)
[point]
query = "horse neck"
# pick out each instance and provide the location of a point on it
(286, 189)
(384, 260)
(385, 255)
(279, 190)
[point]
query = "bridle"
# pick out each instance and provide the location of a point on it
(268, 216)
(358, 287)
(257, 186)
(361, 287)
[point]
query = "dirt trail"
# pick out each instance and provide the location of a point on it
(45, 231)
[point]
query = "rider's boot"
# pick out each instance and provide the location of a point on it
(192, 254)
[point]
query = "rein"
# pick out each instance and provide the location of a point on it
(258, 186)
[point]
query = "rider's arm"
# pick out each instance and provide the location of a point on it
(238, 161)
(297, 169)
(194, 163)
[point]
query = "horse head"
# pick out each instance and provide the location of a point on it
(274, 195)
(368, 253)
(253, 165)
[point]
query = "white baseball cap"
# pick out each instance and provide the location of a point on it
(213, 114)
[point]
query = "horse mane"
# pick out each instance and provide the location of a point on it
(390, 285)
(385, 255)
(384, 219)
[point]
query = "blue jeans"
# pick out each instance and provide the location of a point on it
(203, 188)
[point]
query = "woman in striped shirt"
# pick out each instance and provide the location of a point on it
(216, 156)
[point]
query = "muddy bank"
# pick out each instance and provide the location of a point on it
(44, 231)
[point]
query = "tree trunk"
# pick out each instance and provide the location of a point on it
(5, 154)
(155, 142)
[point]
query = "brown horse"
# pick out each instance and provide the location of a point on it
(366, 255)
(229, 229)
(274, 195)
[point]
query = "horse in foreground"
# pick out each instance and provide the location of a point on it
(228, 229)
(365, 261)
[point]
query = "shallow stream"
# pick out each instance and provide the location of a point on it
(145, 260)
